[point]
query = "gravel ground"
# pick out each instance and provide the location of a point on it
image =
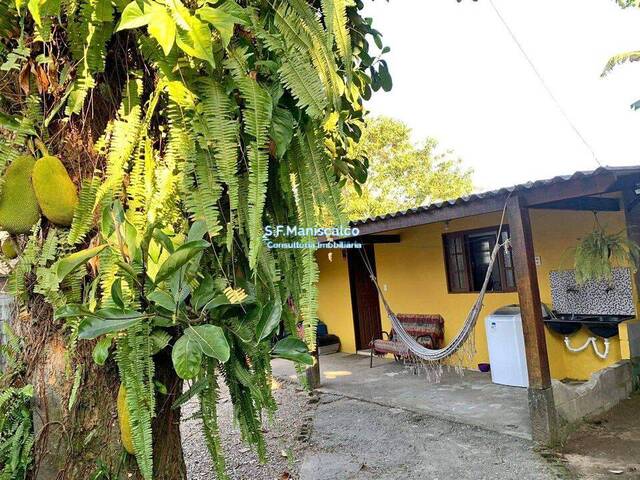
(286, 438)
(358, 440)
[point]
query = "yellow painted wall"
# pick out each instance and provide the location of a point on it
(334, 297)
(413, 273)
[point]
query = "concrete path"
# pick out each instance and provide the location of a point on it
(470, 399)
(356, 440)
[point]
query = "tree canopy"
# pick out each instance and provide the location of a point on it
(403, 174)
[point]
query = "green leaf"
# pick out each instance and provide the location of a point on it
(65, 266)
(163, 299)
(269, 319)
(222, 21)
(217, 301)
(116, 293)
(194, 36)
(197, 231)
(101, 350)
(211, 340)
(385, 77)
(282, 130)
(133, 17)
(294, 349)
(34, 9)
(72, 311)
(180, 94)
(187, 357)
(161, 26)
(179, 259)
(204, 293)
(108, 320)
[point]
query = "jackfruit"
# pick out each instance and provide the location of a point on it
(18, 204)
(56, 193)
(10, 248)
(123, 419)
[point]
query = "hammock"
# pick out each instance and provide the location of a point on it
(431, 356)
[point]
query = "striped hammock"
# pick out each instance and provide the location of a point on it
(461, 339)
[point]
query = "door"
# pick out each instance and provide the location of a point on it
(364, 297)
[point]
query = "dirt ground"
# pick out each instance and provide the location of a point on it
(608, 446)
(356, 440)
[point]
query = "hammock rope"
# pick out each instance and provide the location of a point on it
(431, 356)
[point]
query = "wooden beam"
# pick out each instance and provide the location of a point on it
(588, 204)
(541, 404)
(632, 216)
(370, 239)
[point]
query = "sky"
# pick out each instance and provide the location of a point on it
(460, 78)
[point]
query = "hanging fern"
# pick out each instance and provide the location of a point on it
(599, 252)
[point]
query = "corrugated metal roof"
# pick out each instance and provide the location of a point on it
(501, 192)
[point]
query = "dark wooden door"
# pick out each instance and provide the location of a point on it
(364, 297)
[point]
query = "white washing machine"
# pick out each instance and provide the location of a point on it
(506, 347)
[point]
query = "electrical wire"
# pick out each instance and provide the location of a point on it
(544, 83)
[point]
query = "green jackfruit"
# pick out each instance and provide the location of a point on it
(56, 193)
(18, 204)
(10, 248)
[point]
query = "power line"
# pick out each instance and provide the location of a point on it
(544, 83)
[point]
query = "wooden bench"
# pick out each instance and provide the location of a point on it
(427, 329)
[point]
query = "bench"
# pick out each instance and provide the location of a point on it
(427, 329)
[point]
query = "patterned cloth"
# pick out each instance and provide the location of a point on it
(427, 329)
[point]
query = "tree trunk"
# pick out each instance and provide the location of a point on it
(73, 443)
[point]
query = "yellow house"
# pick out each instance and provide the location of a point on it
(433, 259)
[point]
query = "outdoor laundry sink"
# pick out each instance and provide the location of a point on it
(605, 326)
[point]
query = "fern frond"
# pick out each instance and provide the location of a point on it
(256, 121)
(136, 365)
(305, 260)
(302, 80)
(124, 136)
(208, 407)
(11, 146)
(335, 13)
(326, 188)
(83, 214)
(221, 135)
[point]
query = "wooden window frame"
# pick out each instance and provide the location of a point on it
(500, 262)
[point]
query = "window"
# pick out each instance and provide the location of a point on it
(467, 257)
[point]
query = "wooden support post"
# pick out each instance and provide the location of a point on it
(544, 418)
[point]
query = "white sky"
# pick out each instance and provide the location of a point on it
(459, 77)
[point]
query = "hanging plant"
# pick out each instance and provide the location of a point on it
(599, 252)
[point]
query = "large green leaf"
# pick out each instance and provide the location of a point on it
(194, 36)
(282, 130)
(65, 266)
(211, 340)
(269, 319)
(187, 357)
(72, 311)
(133, 17)
(179, 259)
(108, 320)
(162, 26)
(101, 350)
(294, 349)
(222, 21)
